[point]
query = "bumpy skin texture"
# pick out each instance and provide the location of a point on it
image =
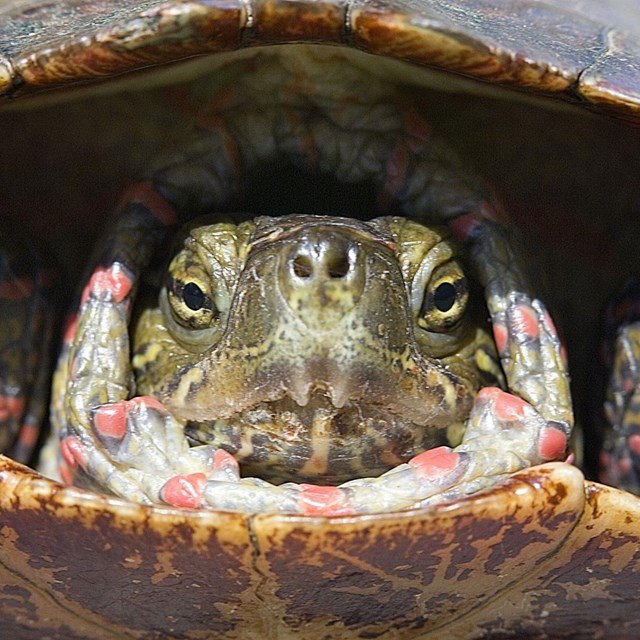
(27, 327)
(333, 119)
(620, 456)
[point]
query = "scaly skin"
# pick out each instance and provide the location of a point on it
(620, 457)
(25, 340)
(343, 123)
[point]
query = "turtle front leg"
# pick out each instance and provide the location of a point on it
(128, 447)
(107, 441)
(531, 423)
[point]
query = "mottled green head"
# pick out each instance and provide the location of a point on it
(316, 348)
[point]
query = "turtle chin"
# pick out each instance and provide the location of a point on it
(327, 439)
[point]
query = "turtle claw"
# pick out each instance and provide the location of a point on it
(184, 490)
(504, 434)
(143, 454)
(533, 357)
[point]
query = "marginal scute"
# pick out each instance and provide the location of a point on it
(130, 41)
(297, 21)
(596, 570)
(613, 80)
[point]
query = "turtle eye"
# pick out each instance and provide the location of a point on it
(192, 303)
(445, 298)
(193, 296)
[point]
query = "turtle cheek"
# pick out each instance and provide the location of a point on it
(159, 360)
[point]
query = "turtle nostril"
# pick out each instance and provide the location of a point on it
(321, 259)
(302, 266)
(339, 266)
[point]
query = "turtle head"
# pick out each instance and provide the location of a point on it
(312, 347)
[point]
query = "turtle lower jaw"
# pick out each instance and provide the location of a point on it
(319, 442)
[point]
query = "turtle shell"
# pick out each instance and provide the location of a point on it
(582, 51)
(543, 555)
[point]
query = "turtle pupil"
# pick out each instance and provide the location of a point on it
(444, 296)
(193, 296)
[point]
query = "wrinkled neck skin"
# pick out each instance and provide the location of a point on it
(312, 369)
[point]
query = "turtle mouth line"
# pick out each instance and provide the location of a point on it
(281, 441)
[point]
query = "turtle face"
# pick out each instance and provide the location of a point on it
(314, 348)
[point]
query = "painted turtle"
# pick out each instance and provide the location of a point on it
(541, 554)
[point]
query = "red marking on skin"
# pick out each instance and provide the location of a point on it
(489, 393)
(70, 329)
(73, 452)
(184, 490)
(234, 158)
(310, 151)
(564, 355)
(634, 443)
(465, 225)
(415, 125)
(15, 405)
(182, 100)
(604, 460)
(211, 120)
(226, 99)
(11, 407)
(624, 466)
(501, 337)
(395, 175)
(16, 288)
(66, 473)
(435, 463)
(29, 434)
(112, 280)
(323, 501)
(111, 420)
(223, 459)
(306, 141)
(553, 444)
(144, 193)
(508, 407)
(525, 321)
